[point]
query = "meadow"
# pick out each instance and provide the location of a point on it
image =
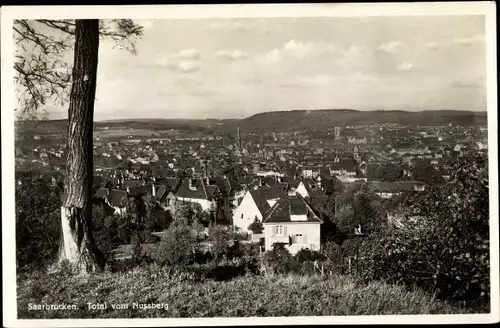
(245, 296)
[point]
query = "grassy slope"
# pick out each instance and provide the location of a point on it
(244, 296)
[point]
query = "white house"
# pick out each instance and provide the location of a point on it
(197, 191)
(113, 198)
(293, 223)
(254, 205)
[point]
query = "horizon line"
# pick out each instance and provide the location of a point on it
(278, 111)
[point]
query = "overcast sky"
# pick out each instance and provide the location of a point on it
(234, 68)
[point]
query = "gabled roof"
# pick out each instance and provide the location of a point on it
(101, 193)
(291, 205)
(271, 192)
(140, 190)
(345, 164)
(200, 189)
(260, 201)
(292, 182)
(225, 184)
(116, 197)
(170, 183)
(245, 181)
(161, 192)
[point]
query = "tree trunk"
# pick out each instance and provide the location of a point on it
(77, 243)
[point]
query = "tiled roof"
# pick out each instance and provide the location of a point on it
(260, 201)
(271, 192)
(245, 180)
(291, 205)
(116, 197)
(170, 183)
(102, 193)
(292, 182)
(345, 164)
(140, 190)
(161, 192)
(199, 191)
(226, 185)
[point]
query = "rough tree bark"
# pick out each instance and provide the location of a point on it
(77, 243)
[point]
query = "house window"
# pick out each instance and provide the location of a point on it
(297, 239)
(242, 215)
(279, 230)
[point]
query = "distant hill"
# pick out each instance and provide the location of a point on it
(279, 121)
(328, 118)
(59, 126)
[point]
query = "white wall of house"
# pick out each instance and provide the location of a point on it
(387, 194)
(301, 189)
(304, 235)
(120, 211)
(246, 212)
(205, 203)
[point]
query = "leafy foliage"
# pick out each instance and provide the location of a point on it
(256, 226)
(38, 226)
(42, 73)
(177, 245)
(279, 260)
(389, 172)
(445, 248)
(424, 171)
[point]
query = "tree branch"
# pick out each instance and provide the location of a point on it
(41, 46)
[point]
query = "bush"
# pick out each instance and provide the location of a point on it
(177, 245)
(256, 226)
(38, 223)
(279, 260)
(219, 237)
(307, 255)
(446, 250)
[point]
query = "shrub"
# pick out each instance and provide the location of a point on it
(218, 237)
(256, 226)
(279, 260)
(307, 255)
(38, 220)
(177, 245)
(447, 250)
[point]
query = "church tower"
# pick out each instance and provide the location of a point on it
(337, 132)
(356, 152)
(239, 139)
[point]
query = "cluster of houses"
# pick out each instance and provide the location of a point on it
(273, 177)
(281, 203)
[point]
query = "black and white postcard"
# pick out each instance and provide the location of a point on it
(249, 164)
